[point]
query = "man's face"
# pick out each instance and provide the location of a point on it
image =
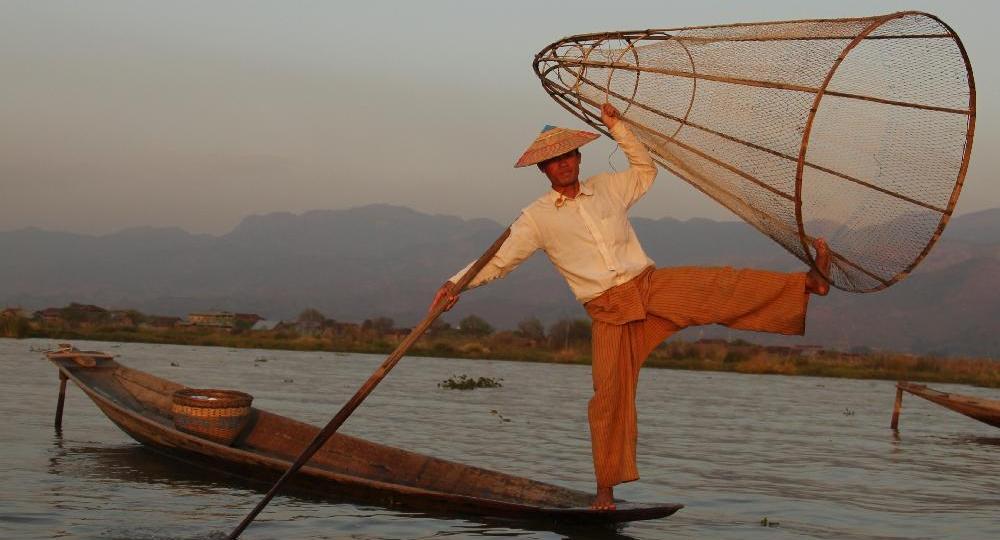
(562, 170)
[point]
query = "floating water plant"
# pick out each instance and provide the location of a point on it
(464, 382)
(764, 522)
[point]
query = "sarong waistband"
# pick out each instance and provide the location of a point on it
(622, 303)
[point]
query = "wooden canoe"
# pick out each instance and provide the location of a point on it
(984, 410)
(345, 468)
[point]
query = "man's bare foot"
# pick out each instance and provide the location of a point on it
(605, 499)
(816, 282)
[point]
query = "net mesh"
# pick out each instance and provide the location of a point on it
(855, 130)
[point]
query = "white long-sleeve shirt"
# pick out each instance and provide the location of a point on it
(589, 238)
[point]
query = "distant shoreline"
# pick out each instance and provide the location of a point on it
(706, 355)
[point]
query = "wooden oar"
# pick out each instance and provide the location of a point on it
(370, 384)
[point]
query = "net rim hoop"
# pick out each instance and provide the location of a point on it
(956, 190)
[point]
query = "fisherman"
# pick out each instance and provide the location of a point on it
(584, 229)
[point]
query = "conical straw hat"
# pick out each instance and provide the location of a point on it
(554, 141)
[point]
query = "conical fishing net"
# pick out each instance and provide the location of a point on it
(856, 130)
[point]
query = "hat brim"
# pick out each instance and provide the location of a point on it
(553, 143)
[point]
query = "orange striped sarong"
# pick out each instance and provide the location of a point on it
(631, 319)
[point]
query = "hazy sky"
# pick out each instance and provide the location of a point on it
(195, 114)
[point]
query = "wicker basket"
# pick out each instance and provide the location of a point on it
(217, 415)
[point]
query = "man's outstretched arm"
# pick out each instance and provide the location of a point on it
(522, 242)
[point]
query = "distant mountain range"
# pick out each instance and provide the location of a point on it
(384, 260)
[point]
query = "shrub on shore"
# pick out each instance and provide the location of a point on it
(14, 327)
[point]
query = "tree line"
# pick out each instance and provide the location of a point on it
(562, 333)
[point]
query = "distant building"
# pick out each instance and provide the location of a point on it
(341, 329)
(90, 309)
(78, 315)
(264, 325)
(247, 320)
(309, 328)
(807, 350)
(159, 321)
(50, 315)
(212, 319)
(284, 326)
(86, 314)
(124, 319)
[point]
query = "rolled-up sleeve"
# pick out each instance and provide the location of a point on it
(630, 185)
(523, 241)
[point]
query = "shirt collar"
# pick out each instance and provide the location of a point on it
(558, 199)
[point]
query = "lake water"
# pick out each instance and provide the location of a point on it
(814, 455)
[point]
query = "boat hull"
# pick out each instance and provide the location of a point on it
(984, 410)
(346, 468)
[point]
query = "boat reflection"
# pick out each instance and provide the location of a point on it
(134, 463)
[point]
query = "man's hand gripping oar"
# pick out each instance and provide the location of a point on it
(447, 294)
(436, 310)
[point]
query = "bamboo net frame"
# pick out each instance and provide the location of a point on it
(857, 130)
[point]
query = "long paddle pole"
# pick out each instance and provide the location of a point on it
(370, 384)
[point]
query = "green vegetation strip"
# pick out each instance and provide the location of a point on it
(566, 342)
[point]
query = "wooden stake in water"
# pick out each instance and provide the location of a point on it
(896, 408)
(370, 384)
(62, 400)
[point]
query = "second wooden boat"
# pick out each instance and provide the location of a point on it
(984, 410)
